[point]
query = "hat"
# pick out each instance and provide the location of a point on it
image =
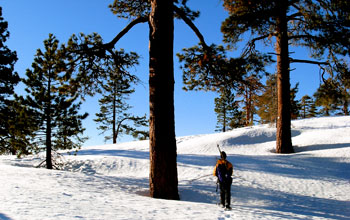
(223, 155)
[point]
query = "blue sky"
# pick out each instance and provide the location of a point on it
(30, 23)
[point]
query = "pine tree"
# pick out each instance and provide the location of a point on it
(113, 107)
(8, 80)
(342, 79)
(294, 104)
(307, 107)
(267, 102)
(283, 22)
(249, 89)
(59, 123)
(159, 14)
(327, 97)
(227, 112)
(20, 128)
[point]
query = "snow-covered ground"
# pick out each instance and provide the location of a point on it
(111, 181)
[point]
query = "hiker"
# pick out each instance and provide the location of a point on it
(223, 170)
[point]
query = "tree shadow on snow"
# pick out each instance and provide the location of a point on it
(300, 166)
(256, 137)
(284, 205)
(320, 147)
(122, 153)
(274, 203)
(4, 217)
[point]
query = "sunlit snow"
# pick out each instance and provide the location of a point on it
(111, 181)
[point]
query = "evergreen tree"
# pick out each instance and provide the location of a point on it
(113, 108)
(56, 111)
(227, 113)
(20, 128)
(8, 80)
(249, 89)
(284, 22)
(342, 79)
(327, 97)
(294, 104)
(307, 107)
(159, 14)
(267, 102)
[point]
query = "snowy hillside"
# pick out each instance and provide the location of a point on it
(111, 181)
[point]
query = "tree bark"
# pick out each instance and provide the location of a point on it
(115, 133)
(48, 126)
(283, 135)
(163, 167)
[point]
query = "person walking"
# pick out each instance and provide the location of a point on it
(223, 170)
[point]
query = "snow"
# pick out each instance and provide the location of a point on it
(111, 181)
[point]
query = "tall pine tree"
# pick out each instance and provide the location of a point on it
(317, 24)
(55, 110)
(159, 14)
(8, 80)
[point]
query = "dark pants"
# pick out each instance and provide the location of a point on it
(225, 194)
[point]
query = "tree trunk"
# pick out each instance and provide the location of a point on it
(163, 167)
(283, 135)
(48, 127)
(345, 107)
(115, 133)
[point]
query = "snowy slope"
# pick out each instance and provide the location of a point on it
(111, 181)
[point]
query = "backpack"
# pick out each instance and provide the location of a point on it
(223, 174)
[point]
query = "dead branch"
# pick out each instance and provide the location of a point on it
(182, 15)
(308, 61)
(126, 30)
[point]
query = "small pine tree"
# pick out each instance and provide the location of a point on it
(227, 113)
(307, 107)
(267, 102)
(55, 111)
(294, 104)
(113, 109)
(327, 97)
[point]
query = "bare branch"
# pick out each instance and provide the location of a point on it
(294, 16)
(125, 30)
(250, 47)
(301, 36)
(308, 61)
(182, 15)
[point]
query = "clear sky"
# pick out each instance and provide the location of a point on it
(30, 23)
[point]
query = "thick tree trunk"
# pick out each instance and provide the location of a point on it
(283, 135)
(163, 167)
